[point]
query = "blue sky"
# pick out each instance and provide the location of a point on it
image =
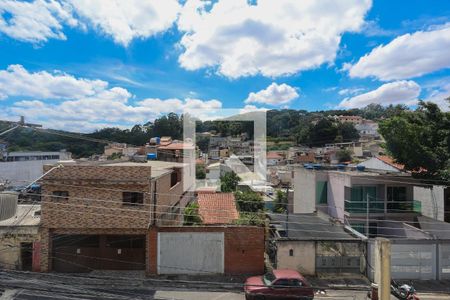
(82, 65)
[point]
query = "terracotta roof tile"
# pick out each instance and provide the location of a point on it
(177, 146)
(390, 161)
(273, 155)
(217, 208)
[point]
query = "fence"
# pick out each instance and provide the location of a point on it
(415, 259)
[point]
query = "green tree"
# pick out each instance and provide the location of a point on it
(203, 143)
(281, 202)
(191, 215)
(249, 201)
(323, 132)
(420, 140)
(229, 182)
(200, 172)
(250, 218)
(343, 155)
(347, 132)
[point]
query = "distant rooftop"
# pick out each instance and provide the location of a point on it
(177, 146)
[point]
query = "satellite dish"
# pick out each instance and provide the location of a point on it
(8, 205)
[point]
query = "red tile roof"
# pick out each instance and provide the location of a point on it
(273, 155)
(177, 146)
(390, 161)
(217, 208)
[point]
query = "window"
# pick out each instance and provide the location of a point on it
(396, 193)
(133, 198)
(291, 252)
(321, 192)
(175, 177)
(60, 195)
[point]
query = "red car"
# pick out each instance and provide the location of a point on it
(279, 284)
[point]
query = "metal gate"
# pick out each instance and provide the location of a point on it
(84, 253)
(201, 252)
(338, 257)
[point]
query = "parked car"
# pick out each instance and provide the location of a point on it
(278, 284)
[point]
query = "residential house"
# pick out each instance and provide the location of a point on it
(120, 148)
(350, 119)
(218, 141)
(274, 158)
(217, 208)
(176, 152)
(97, 215)
(298, 155)
(357, 196)
(367, 129)
(20, 239)
(312, 244)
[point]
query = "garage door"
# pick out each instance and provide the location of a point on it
(190, 252)
(84, 253)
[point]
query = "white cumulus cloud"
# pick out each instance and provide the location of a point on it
(407, 56)
(127, 20)
(83, 105)
(439, 94)
(397, 92)
(35, 21)
(267, 37)
(274, 94)
(40, 20)
(17, 81)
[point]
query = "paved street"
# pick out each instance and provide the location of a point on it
(50, 286)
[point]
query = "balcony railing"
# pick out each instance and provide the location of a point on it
(379, 206)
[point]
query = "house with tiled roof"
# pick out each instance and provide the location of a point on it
(274, 158)
(217, 208)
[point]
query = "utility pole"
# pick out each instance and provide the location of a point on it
(20, 123)
(383, 268)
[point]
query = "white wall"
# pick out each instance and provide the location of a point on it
(23, 172)
(336, 194)
(432, 200)
(304, 191)
(303, 259)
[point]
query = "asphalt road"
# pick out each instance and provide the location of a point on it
(51, 286)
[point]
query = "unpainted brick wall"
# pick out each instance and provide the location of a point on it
(244, 247)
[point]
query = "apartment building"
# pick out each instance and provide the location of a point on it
(97, 215)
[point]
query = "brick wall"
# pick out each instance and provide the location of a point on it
(93, 207)
(244, 247)
(168, 201)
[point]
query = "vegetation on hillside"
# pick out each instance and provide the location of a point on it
(420, 140)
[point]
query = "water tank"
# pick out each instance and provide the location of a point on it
(341, 167)
(151, 156)
(360, 168)
(317, 166)
(155, 140)
(8, 205)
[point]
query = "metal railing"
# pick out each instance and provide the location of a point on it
(407, 206)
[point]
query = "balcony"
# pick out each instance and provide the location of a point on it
(378, 207)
